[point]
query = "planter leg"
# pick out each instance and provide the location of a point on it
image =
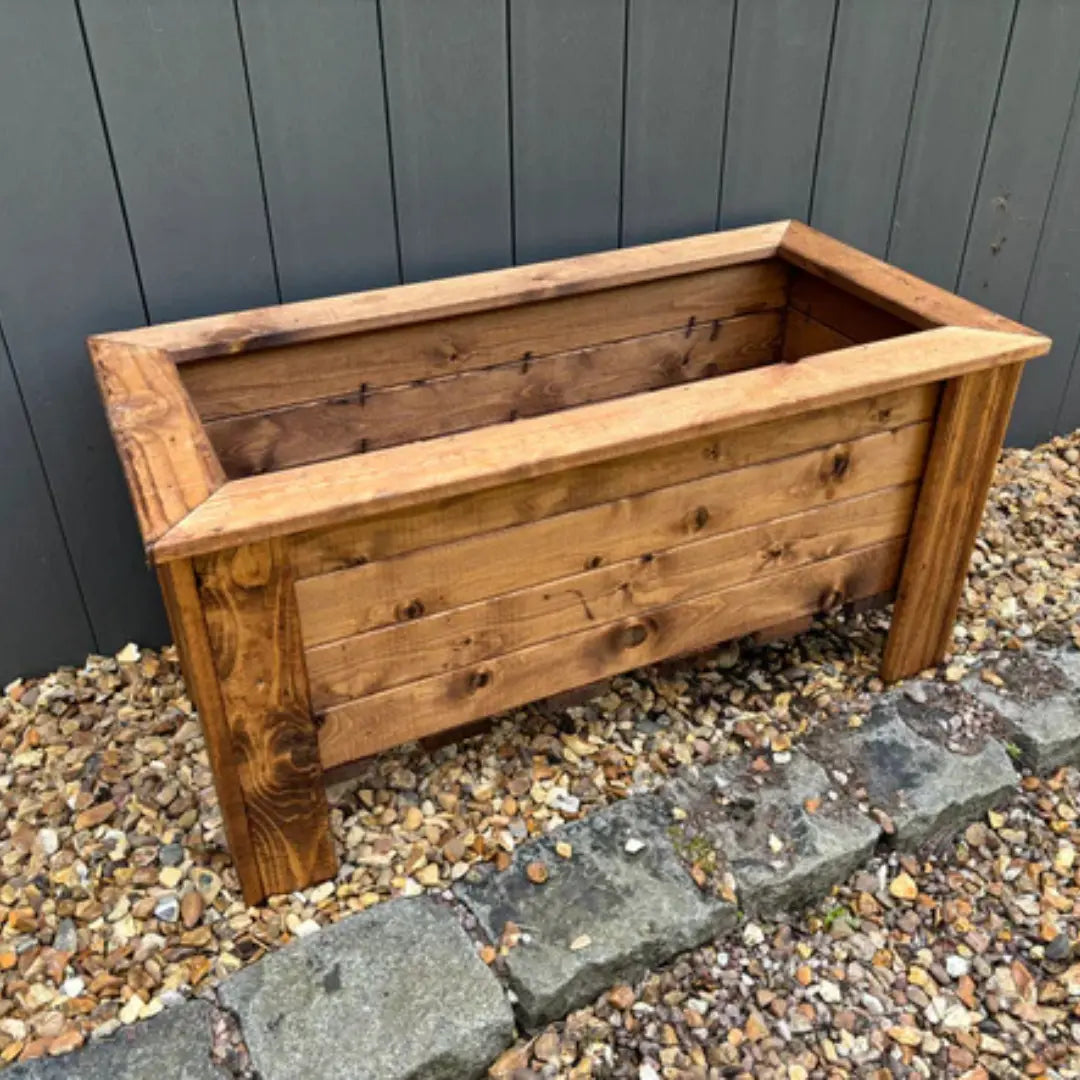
(238, 632)
(968, 434)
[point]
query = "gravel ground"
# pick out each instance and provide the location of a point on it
(117, 895)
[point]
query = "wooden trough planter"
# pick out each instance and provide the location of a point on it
(381, 516)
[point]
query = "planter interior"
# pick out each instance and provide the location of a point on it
(380, 517)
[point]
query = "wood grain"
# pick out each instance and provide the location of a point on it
(184, 607)
(342, 366)
(368, 485)
(310, 320)
(317, 431)
(446, 576)
(886, 286)
(857, 319)
(342, 546)
(169, 463)
(415, 710)
(967, 439)
(804, 336)
(254, 633)
(434, 644)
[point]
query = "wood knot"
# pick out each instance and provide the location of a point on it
(479, 679)
(414, 609)
(841, 463)
(593, 562)
(700, 517)
(633, 635)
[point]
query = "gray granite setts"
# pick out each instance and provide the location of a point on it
(1040, 704)
(174, 1045)
(928, 791)
(623, 902)
(783, 838)
(395, 993)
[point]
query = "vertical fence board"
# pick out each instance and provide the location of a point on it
(66, 271)
(566, 65)
(1069, 416)
(317, 96)
(43, 621)
(1053, 301)
(447, 84)
(774, 112)
(868, 103)
(172, 86)
(676, 101)
(1025, 144)
(954, 104)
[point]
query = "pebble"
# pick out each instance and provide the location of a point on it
(956, 966)
(167, 909)
(105, 784)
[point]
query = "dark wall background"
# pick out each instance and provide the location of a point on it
(169, 158)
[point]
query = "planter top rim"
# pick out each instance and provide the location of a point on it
(186, 506)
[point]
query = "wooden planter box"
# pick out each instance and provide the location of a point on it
(380, 516)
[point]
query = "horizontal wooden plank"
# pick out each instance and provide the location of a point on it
(272, 378)
(168, 461)
(804, 337)
(370, 485)
(339, 547)
(373, 661)
(365, 421)
(489, 564)
(373, 723)
(311, 320)
(886, 286)
(858, 320)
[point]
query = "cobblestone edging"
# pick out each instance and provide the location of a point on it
(401, 991)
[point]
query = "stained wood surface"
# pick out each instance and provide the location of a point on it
(339, 547)
(373, 723)
(857, 320)
(889, 287)
(375, 309)
(804, 336)
(254, 635)
(317, 431)
(184, 607)
(169, 463)
(405, 652)
(967, 439)
(350, 488)
(436, 348)
(437, 578)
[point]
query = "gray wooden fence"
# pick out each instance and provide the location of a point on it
(168, 158)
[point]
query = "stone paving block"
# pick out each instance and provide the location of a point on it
(780, 853)
(174, 1045)
(621, 903)
(396, 992)
(1040, 705)
(928, 791)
